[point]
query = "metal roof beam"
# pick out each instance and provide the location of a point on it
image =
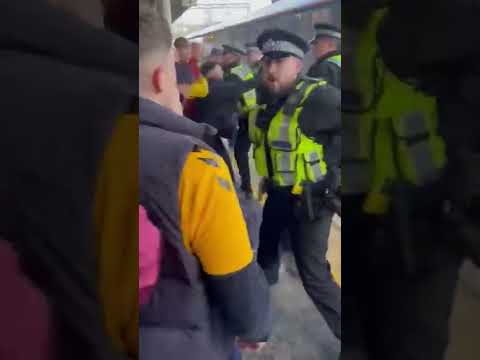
(276, 9)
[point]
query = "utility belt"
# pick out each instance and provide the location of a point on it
(315, 199)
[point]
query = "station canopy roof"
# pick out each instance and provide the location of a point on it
(276, 9)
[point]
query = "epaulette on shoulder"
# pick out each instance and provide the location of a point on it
(211, 159)
(312, 80)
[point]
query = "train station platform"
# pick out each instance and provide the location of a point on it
(300, 332)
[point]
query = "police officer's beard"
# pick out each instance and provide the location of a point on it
(271, 96)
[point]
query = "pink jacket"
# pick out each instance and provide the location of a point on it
(149, 252)
(25, 326)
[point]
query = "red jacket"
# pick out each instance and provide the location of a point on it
(194, 64)
(189, 109)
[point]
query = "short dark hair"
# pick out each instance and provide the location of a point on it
(181, 42)
(155, 31)
(207, 67)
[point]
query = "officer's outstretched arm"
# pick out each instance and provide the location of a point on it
(215, 232)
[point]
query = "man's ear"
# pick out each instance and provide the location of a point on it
(158, 79)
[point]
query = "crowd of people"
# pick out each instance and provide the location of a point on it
(210, 297)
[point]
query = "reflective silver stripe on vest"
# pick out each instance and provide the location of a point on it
(284, 135)
(422, 158)
(314, 157)
(412, 129)
(285, 168)
(411, 125)
(288, 179)
(315, 166)
(284, 164)
(283, 140)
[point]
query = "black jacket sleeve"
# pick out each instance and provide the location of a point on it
(244, 299)
(226, 90)
(232, 78)
(328, 71)
(320, 119)
(220, 106)
(242, 86)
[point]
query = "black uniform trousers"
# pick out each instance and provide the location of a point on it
(242, 147)
(309, 240)
(389, 314)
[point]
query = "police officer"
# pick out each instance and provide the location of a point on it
(242, 75)
(393, 173)
(216, 56)
(234, 68)
(242, 143)
(290, 123)
(327, 48)
(254, 57)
